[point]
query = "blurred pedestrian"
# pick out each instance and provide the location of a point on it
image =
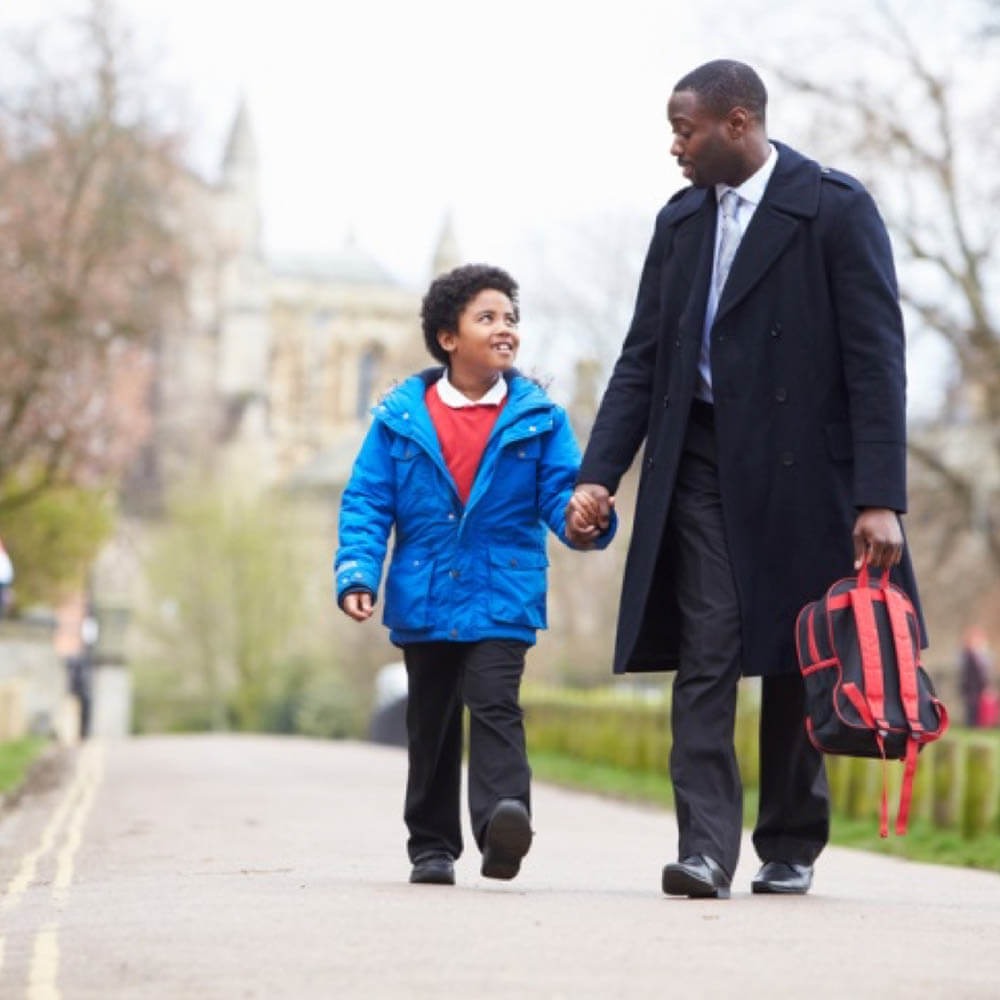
(976, 678)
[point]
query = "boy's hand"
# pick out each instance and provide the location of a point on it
(588, 514)
(358, 605)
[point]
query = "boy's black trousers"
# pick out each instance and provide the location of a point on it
(486, 678)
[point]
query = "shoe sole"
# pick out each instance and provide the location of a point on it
(508, 839)
(433, 880)
(680, 883)
(766, 889)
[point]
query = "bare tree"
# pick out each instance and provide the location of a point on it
(89, 259)
(906, 120)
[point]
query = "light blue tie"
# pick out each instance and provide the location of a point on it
(729, 238)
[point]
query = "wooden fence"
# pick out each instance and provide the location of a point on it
(957, 784)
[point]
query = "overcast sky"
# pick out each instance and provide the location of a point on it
(518, 117)
(382, 115)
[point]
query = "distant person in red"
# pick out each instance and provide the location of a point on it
(976, 680)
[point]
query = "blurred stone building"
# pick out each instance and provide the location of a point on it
(264, 378)
(268, 375)
(264, 384)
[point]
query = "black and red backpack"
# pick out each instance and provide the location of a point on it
(866, 692)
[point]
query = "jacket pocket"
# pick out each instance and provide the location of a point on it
(407, 592)
(414, 475)
(527, 449)
(517, 586)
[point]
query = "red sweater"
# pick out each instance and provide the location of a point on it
(463, 433)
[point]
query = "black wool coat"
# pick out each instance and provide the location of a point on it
(808, 372)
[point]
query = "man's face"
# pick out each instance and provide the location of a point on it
(704, 146)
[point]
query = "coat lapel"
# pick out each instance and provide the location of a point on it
(694, 241)
(690, 228)
(766, 237)
(792, 195)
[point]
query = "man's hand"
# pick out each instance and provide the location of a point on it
(588, 514)
(358, 605)
(878, 538)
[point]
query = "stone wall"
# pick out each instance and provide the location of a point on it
(33, 679)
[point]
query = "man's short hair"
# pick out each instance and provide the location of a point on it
(724, 84)
(450, 293)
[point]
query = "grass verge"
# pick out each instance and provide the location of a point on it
(16, 758)
(922, 842)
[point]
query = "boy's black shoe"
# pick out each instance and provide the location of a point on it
(434, 869)
(508, 837)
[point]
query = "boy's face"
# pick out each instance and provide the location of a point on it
(486, 341)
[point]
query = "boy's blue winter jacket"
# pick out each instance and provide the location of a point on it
(458, 573)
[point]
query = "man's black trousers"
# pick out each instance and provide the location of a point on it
(486, 678)
(793, 816)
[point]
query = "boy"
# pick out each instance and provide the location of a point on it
(468, 462)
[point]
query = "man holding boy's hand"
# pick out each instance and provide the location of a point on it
(764, 369)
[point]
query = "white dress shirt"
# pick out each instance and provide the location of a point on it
(751, 191)
(452, 397)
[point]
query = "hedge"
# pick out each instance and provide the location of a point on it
(957, 784)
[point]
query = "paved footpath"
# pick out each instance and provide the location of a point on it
(226, 867)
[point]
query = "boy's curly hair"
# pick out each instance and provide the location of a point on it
(450, 293)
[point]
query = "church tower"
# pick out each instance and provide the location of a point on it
(244, 310)
(239, 185)
(446, 255)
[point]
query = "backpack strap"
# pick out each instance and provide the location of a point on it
(857, 699)
(906, 662)
(871, 657)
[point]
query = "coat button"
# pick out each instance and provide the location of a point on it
(787, 458)
(451, 516)
(781, 394)
(776, 330)
(677, 342)
(666, 400)
(649, 463)
(520, 454)
(453, 632)
(513, 562)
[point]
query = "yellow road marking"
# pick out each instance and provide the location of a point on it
(74, 830)
(71, 813)
(26, 871)
(44, 965)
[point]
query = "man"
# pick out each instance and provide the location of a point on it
(764, 367)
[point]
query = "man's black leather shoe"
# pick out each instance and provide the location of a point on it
(434, 869)
(698, 877)
(508, 837)
(782, 877)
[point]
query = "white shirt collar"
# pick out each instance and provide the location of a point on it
(450, 396)
(752, 189)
